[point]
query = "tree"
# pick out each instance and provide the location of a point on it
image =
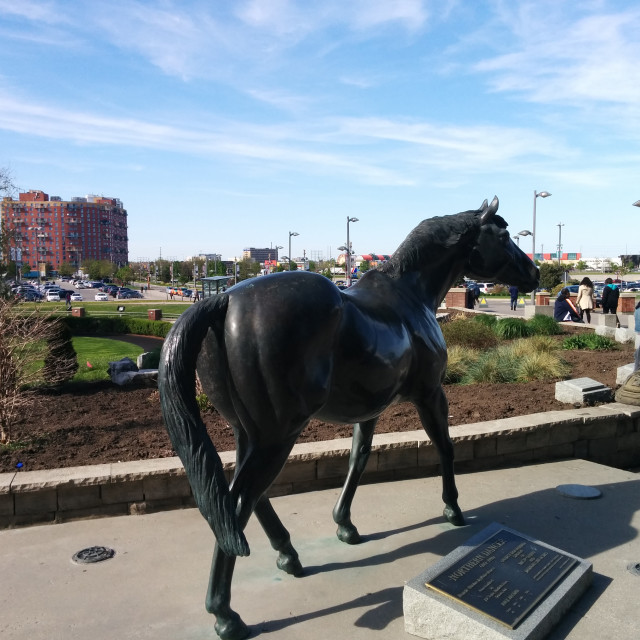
(581, 265)
(66, 269)
(124, 275)
(26, 341)
(551, 274)
(365, 265)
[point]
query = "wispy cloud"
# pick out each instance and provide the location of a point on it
(590, 58)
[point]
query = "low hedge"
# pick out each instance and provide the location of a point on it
(108, 325)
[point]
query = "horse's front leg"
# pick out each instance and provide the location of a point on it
(360, 450)
(434, 415)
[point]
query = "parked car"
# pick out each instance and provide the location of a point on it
(76, 297)
(130, 294)
(102, 297)
(53, 295)
(30, 295)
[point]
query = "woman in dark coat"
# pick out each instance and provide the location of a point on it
(610, 295)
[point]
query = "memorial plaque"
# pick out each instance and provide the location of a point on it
(504, 577)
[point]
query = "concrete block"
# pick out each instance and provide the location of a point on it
(462, 450)
(604, 320)
(298, 471)
(107, 510)
(623, 373)
(428, 454)
(582, 390)
(623, 334)
(607, 332)
(395, 458)
(36, 502)
(563, 433)
(511, 444)
(70, 498)
(432, 615)
(160, 487)
(601, 449)
(599, 429)
(115, 492)
(337, 467)
(485, 448)
(7, 506)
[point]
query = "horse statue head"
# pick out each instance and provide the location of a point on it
(494, 254)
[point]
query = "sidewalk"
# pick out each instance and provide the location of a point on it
(155, 585)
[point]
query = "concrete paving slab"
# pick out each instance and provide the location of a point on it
(155, 585)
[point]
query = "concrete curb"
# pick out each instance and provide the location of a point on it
(608, 434)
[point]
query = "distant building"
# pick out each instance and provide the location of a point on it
(565, 258)
(49, 230)
(260, 255)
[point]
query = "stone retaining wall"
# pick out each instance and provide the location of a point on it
(608, 434)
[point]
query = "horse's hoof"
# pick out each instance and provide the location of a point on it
(290, 564)
(349, 534)
(454, 516)
(232, 628)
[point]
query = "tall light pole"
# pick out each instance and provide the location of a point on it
(291, 233)
(536, 195)
(524, 232)
(560, 225)
(349, 251)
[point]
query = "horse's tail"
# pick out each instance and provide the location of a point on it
(176, 384)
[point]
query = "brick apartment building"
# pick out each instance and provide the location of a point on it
(48, 230)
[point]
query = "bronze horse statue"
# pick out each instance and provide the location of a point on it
(274, 352)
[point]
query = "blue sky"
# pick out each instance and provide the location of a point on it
(226, 124)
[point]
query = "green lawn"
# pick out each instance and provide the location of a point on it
(98, 352)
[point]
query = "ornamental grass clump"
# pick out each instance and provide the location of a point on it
(591, 341)
(511, 328)
(458, 361)
(466, 332)
(541, 325)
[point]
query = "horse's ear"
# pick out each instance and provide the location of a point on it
(484, 205)
(490, 210)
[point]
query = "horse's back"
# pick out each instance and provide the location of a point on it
(273, 359)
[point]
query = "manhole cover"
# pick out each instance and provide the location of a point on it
(578, 491)
(93, 554)
(634, 568)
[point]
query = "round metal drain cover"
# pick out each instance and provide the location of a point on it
(93, 554)
(634, 568)
(579, 491)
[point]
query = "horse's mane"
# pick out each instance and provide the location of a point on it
(435, 237)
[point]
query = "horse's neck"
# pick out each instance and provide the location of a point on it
(432, 283)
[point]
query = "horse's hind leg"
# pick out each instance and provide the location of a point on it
(360, 450)
(278, 537)
(434, 413)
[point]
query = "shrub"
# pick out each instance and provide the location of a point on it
(541, 325)
(487, 319)
(495, 366)
(465, 332)
(535, 344)
(543, 365)
(458, 361)
(591, 341)
(510, 328)
(106, 325)
(61, 361)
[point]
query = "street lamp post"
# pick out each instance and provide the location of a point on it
(291, 233)
(349, 251)
(536, 195)
(560, 225)
(524, 232)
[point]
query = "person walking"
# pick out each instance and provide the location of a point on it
(636, 317)
(610, 295)
(585, 299)
(513, 292)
